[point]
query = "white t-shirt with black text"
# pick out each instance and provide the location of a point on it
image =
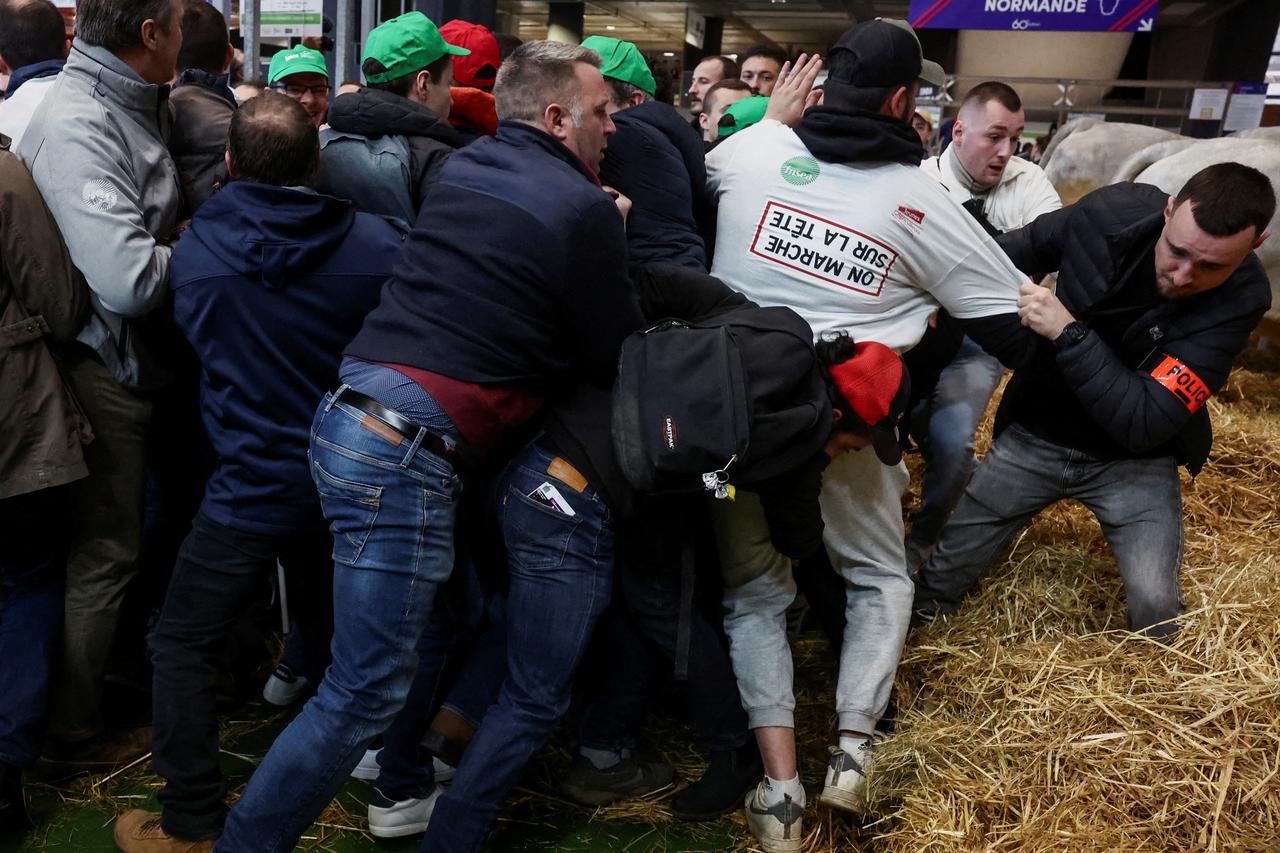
(870, 248)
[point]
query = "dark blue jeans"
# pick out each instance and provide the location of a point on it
(391, 508)
(461, 666)
(34, 529)
(218, 573)
(1138, 502)
(560, 574)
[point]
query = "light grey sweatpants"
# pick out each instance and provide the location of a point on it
(862, 510)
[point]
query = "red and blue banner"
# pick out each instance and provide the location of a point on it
(1111, 16)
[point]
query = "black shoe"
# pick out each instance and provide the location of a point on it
(728, 778)
(630, 777)
(13, 808)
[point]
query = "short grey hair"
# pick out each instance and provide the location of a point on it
(117, 24)
(538, 74)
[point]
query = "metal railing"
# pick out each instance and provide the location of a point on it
(1167, 104)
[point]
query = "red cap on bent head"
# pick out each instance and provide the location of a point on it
(876, 386)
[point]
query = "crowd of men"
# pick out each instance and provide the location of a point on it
(364, 349)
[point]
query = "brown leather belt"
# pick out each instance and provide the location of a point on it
(560, 468)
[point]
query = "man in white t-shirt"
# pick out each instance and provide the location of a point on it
(981, 171)
(836, 220)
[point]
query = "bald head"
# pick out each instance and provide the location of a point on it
(31, 31)
(272, 141)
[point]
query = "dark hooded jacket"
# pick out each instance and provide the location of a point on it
(382, 152)
(658, 162)
(269, 284)
(1119, 380)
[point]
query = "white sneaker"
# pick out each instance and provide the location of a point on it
(283, 688)
(368, 768)
(845, 786)
(391, 819)
(443, 772)
(780, 828)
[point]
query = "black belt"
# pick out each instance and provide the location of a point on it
(396, 428)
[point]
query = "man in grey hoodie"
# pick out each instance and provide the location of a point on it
(97, 149)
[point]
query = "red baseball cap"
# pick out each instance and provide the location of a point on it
(480, 69)
(877, 387)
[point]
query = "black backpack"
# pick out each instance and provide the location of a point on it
(729, 401)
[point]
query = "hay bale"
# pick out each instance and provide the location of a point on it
(1033, 722)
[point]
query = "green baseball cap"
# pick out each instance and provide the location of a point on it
(622, 61)
(296, 60)
(742, 114)
(403, 45)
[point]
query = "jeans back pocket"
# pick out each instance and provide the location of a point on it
(537, 536)
(351, 509)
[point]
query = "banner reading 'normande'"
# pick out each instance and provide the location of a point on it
(1114, 16)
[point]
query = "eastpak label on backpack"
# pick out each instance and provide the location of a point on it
(688, 414)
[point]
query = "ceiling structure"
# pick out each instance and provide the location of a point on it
(797, 25)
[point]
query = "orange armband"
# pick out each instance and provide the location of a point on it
(1182, 382)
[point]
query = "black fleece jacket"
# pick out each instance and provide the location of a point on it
(1124, 381)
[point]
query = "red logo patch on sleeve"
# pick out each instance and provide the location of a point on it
(1182, 382)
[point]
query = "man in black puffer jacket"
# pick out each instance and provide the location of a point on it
(386, 143)
(1156, 296)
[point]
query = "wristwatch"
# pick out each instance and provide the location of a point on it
(1072, 334)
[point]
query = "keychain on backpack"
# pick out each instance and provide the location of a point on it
(717, 482)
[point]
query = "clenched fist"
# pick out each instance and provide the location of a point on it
(1042, 312)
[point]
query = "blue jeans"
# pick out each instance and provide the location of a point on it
(391, 510)
(34, 529)
(460, 666)
(1138, 502)
(946, 422)
(560, 574)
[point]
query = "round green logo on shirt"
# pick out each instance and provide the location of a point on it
(800, 171)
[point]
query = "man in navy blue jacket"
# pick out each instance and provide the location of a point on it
(269, 284)
(654, 160)
(512, 287)
(1156, 296)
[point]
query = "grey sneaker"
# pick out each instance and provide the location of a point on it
(631, 777)
(780, 828)
(397, 818)
(845, 786)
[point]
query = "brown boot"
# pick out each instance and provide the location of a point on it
(139, 831)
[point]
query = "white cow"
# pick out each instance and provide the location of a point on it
(1086, 153)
